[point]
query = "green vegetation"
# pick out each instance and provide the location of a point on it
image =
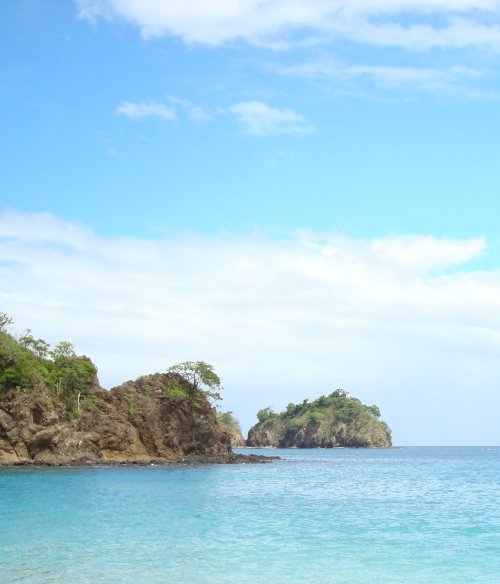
(201, 380)
(346, 408)
(27, 365)
(266, 414)
(176, 389)
(5, 322)
(229, 422)
(128, 398)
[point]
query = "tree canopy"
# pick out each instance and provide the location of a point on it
(202, 378)
(27, 365)
(228, 421)
(346, 410)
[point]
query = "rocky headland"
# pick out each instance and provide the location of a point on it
(54, 411)
(136, 422)
(333, 421)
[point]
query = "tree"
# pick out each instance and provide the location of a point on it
(76, 378)
(5, 322)
(265, 414)
(62, 351)
(38, 347)
(373, 410)
(228, 421)
(202, 378)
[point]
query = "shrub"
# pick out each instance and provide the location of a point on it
(228, 421)
(265, 414)
(175, 389)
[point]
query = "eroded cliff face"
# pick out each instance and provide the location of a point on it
(136, 421)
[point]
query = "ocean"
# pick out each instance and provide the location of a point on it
(407, 515)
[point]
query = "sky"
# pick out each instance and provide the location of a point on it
(304, 194)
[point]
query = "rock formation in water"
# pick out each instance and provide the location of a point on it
(53, 411)
(336, 420)
(232, 425)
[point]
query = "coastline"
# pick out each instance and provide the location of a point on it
(317, 448)
(189, 460)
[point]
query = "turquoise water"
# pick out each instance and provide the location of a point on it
(409, 515)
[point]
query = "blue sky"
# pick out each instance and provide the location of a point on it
(241, 126)
(396, 157)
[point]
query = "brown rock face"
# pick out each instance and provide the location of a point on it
(136, 421)
(237, 440)
(273, 434)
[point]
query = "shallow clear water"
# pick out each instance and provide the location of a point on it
(409, 515)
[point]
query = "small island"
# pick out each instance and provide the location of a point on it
(333, 421)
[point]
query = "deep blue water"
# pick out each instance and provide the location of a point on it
(411, 515)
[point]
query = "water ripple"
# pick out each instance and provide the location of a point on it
(415, 515)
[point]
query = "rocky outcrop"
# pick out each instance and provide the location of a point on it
(135, 422)
(232, 425)
(237, 439)
(335, 421)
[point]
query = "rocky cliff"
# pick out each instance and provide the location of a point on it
(53, 411)
(136, 421)
(330, 421)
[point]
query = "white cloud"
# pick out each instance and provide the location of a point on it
(280, 319)
(136, 111)
(195, 113)
(198, 114)
(259, 118)
(44, 228)
(185, 103)
(427, 23)
(449, 81)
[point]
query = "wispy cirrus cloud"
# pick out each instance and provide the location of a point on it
(455, 80)
(258, 118)
(410, 24)
(195, 112)
(153, 108)
(137, 111)
(281, 319)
